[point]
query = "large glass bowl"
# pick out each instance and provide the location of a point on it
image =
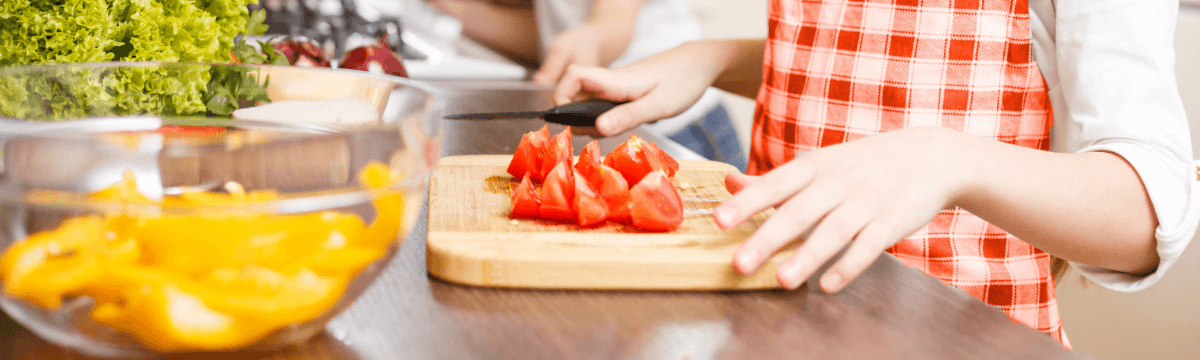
(67, 131)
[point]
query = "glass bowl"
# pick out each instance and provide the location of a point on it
(135, 146)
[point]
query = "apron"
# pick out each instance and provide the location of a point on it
(839, 70)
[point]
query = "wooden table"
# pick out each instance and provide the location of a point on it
(891, 311)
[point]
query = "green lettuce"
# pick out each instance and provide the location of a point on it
(79, 31)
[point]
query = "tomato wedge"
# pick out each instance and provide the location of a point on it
(525, 200)
(634, 160)
(654, 205)
(589, 206)
(589, 158)
(558, 194)
(670, 166)
(611, 187)
(557, 150)
(528, 157)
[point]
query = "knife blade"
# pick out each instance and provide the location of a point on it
(580, 113)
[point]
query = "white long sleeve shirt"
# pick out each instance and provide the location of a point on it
(1110, 68)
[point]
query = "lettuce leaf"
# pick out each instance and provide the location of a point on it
(77, 31)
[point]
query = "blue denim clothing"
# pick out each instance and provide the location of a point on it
(714, 138)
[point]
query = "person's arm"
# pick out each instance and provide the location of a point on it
(597, 42)
(1100, 205)
(508, 27)
(667, 83)
(873, 192)
(1115, 63)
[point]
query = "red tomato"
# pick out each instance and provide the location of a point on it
(654, 204)
(558, 194)
(634, 159)
(589, 158)
(525, 200)
(670, 166)
(528, 157)
(558, 149)
(611, 187)
(589, 206)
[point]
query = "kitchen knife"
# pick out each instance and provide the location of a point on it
(580, 113)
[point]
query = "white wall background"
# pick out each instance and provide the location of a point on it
(1162, 322)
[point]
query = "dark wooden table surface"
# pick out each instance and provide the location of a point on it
(891, 311)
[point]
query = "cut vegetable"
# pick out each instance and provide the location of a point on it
(558, 150)
(558, 194)
(654, 204)
(525, 200)
(589, 207)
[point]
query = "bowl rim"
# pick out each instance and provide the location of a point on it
(75, 129)
(22, 127)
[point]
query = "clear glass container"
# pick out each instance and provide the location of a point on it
(68, 131)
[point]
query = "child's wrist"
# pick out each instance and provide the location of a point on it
(974, 166)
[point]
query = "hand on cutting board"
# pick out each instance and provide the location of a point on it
(657, 87)
(870, 193)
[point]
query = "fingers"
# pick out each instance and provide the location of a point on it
(655, 105)
(586, 131)
(767, 191)
(872, 241)
(553, 67)
(579, 79)
(735, 182)
(827, 239)
(790, 220)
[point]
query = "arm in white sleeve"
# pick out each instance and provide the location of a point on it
(1110, 68)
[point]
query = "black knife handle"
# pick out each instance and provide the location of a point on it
(580, 113)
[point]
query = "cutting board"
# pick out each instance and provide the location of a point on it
(472, 241)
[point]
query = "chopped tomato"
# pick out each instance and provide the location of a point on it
(525, 200)
(634, 160)
(589, 206)
(557, 150)
(558, 194)
(589, 158)
(670, 166)
(613, 189)
(528, 157)
(654, 204)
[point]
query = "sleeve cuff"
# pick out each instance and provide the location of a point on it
(1175, 195)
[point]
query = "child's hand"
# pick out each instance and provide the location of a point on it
(874, 191)
(578, 46)
(657, 87)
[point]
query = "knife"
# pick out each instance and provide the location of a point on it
(580, 113)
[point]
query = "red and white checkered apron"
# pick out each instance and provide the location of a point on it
(839, 70)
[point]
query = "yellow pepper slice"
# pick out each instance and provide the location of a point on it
(389, 207)
(203, 281)
(123, 191)
(49, 265)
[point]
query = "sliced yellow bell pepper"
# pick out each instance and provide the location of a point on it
(47, 266)
(389, 206)
(203, 281)
(123, 191)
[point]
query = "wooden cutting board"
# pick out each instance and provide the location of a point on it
(472, 241)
